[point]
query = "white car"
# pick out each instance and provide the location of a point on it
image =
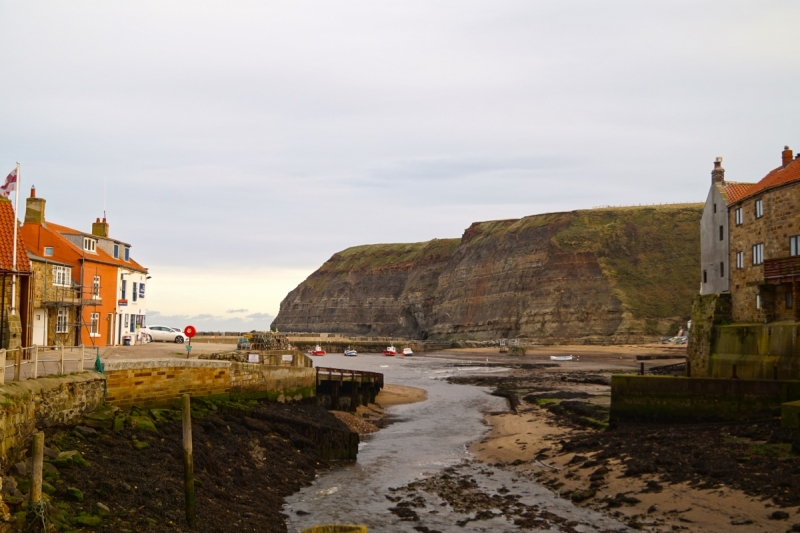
(164, 333)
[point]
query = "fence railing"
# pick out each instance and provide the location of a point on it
(38, 361)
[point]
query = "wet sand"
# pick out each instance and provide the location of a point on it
(399, 395)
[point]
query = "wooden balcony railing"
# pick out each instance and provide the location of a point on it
(785, 267)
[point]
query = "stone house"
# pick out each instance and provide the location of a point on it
(15, 317)
(82, 281)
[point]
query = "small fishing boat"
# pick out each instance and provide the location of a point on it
(390, 351)
(317, 350)
(350, 352)
(561, 358)
(407, 352)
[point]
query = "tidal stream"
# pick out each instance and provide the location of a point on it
(425, 439)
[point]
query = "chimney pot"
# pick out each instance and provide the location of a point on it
(718, 174)
(33, 191)
(786, 155)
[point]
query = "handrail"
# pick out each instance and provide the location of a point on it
(32, 372)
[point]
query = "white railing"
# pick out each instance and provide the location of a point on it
(39, 361)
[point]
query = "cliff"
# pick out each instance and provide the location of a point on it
(594, 276)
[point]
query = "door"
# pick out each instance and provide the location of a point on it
(39, 327)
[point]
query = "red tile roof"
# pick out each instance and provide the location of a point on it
(736, 191)
(777, 178)
(7, 221)
(38, 236)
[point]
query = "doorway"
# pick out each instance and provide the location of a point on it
(40, 327)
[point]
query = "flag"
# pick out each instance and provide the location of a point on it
(10, 185)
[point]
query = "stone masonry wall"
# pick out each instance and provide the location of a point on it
(159, 382)
(44, 402)
(147, 383)
(781, 220)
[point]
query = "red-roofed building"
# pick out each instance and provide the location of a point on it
(88, 289)
(750, 242)
(14, 317)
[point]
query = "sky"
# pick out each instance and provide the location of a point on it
(238, 145)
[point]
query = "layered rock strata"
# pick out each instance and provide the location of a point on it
(592, 276)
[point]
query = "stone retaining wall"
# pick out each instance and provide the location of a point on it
(160, 382)
(681, 399)
(44, 402)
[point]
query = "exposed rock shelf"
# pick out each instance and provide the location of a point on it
(594, 276)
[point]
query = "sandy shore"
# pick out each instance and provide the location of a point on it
(532, 438)
(399, 394)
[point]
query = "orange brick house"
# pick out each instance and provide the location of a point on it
(79, 280)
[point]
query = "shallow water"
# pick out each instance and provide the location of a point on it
(426, 438)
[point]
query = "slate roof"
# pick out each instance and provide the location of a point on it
(7, 221)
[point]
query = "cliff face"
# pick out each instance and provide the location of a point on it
(584, 276)
(369, 290)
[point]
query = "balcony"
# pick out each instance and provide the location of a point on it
(782, 270)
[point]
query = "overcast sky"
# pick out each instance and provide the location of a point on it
(243, 143)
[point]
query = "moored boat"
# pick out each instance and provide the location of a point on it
(317, 350)
(350, 352)
(391, 351)
(407, 352)
(561, 358)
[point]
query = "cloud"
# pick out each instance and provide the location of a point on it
(313, 127)
(209, 322)
(236, 311)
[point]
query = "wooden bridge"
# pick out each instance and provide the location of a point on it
(347, 389)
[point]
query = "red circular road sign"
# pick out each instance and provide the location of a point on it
(190, 331)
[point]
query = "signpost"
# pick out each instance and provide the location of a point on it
(190, 332)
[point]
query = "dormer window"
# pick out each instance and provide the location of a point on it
(90, 245)
(116, 251)
(48, 251)
(127, 253)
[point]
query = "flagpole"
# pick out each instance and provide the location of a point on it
(14, 258)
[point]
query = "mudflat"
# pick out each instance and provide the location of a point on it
(710, 478)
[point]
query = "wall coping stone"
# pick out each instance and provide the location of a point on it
(142, 364)
(36, 386)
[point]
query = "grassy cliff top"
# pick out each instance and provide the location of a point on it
(372, 256)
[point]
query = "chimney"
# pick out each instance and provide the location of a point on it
(786, 155)
(100, 229)
(718, 174)
(34, 209)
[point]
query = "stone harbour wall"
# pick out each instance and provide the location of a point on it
(44, 402)
(161, 382)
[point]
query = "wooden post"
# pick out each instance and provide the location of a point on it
(17, 364)
(734, 373)
(188, 464)
(61, 361)
(641, 372)
(37, 456)
(35, 358)
(83, 358)
(3, 373)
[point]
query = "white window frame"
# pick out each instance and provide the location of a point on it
(48, 251)
(758, 254)
(62, 317)
(740, 260)
(759, 208)
(96, 288)
(127, 254)
(94, 325)
(738, 216)
(89, 244)
(758, 301)
(794, 245)
(62, 276)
